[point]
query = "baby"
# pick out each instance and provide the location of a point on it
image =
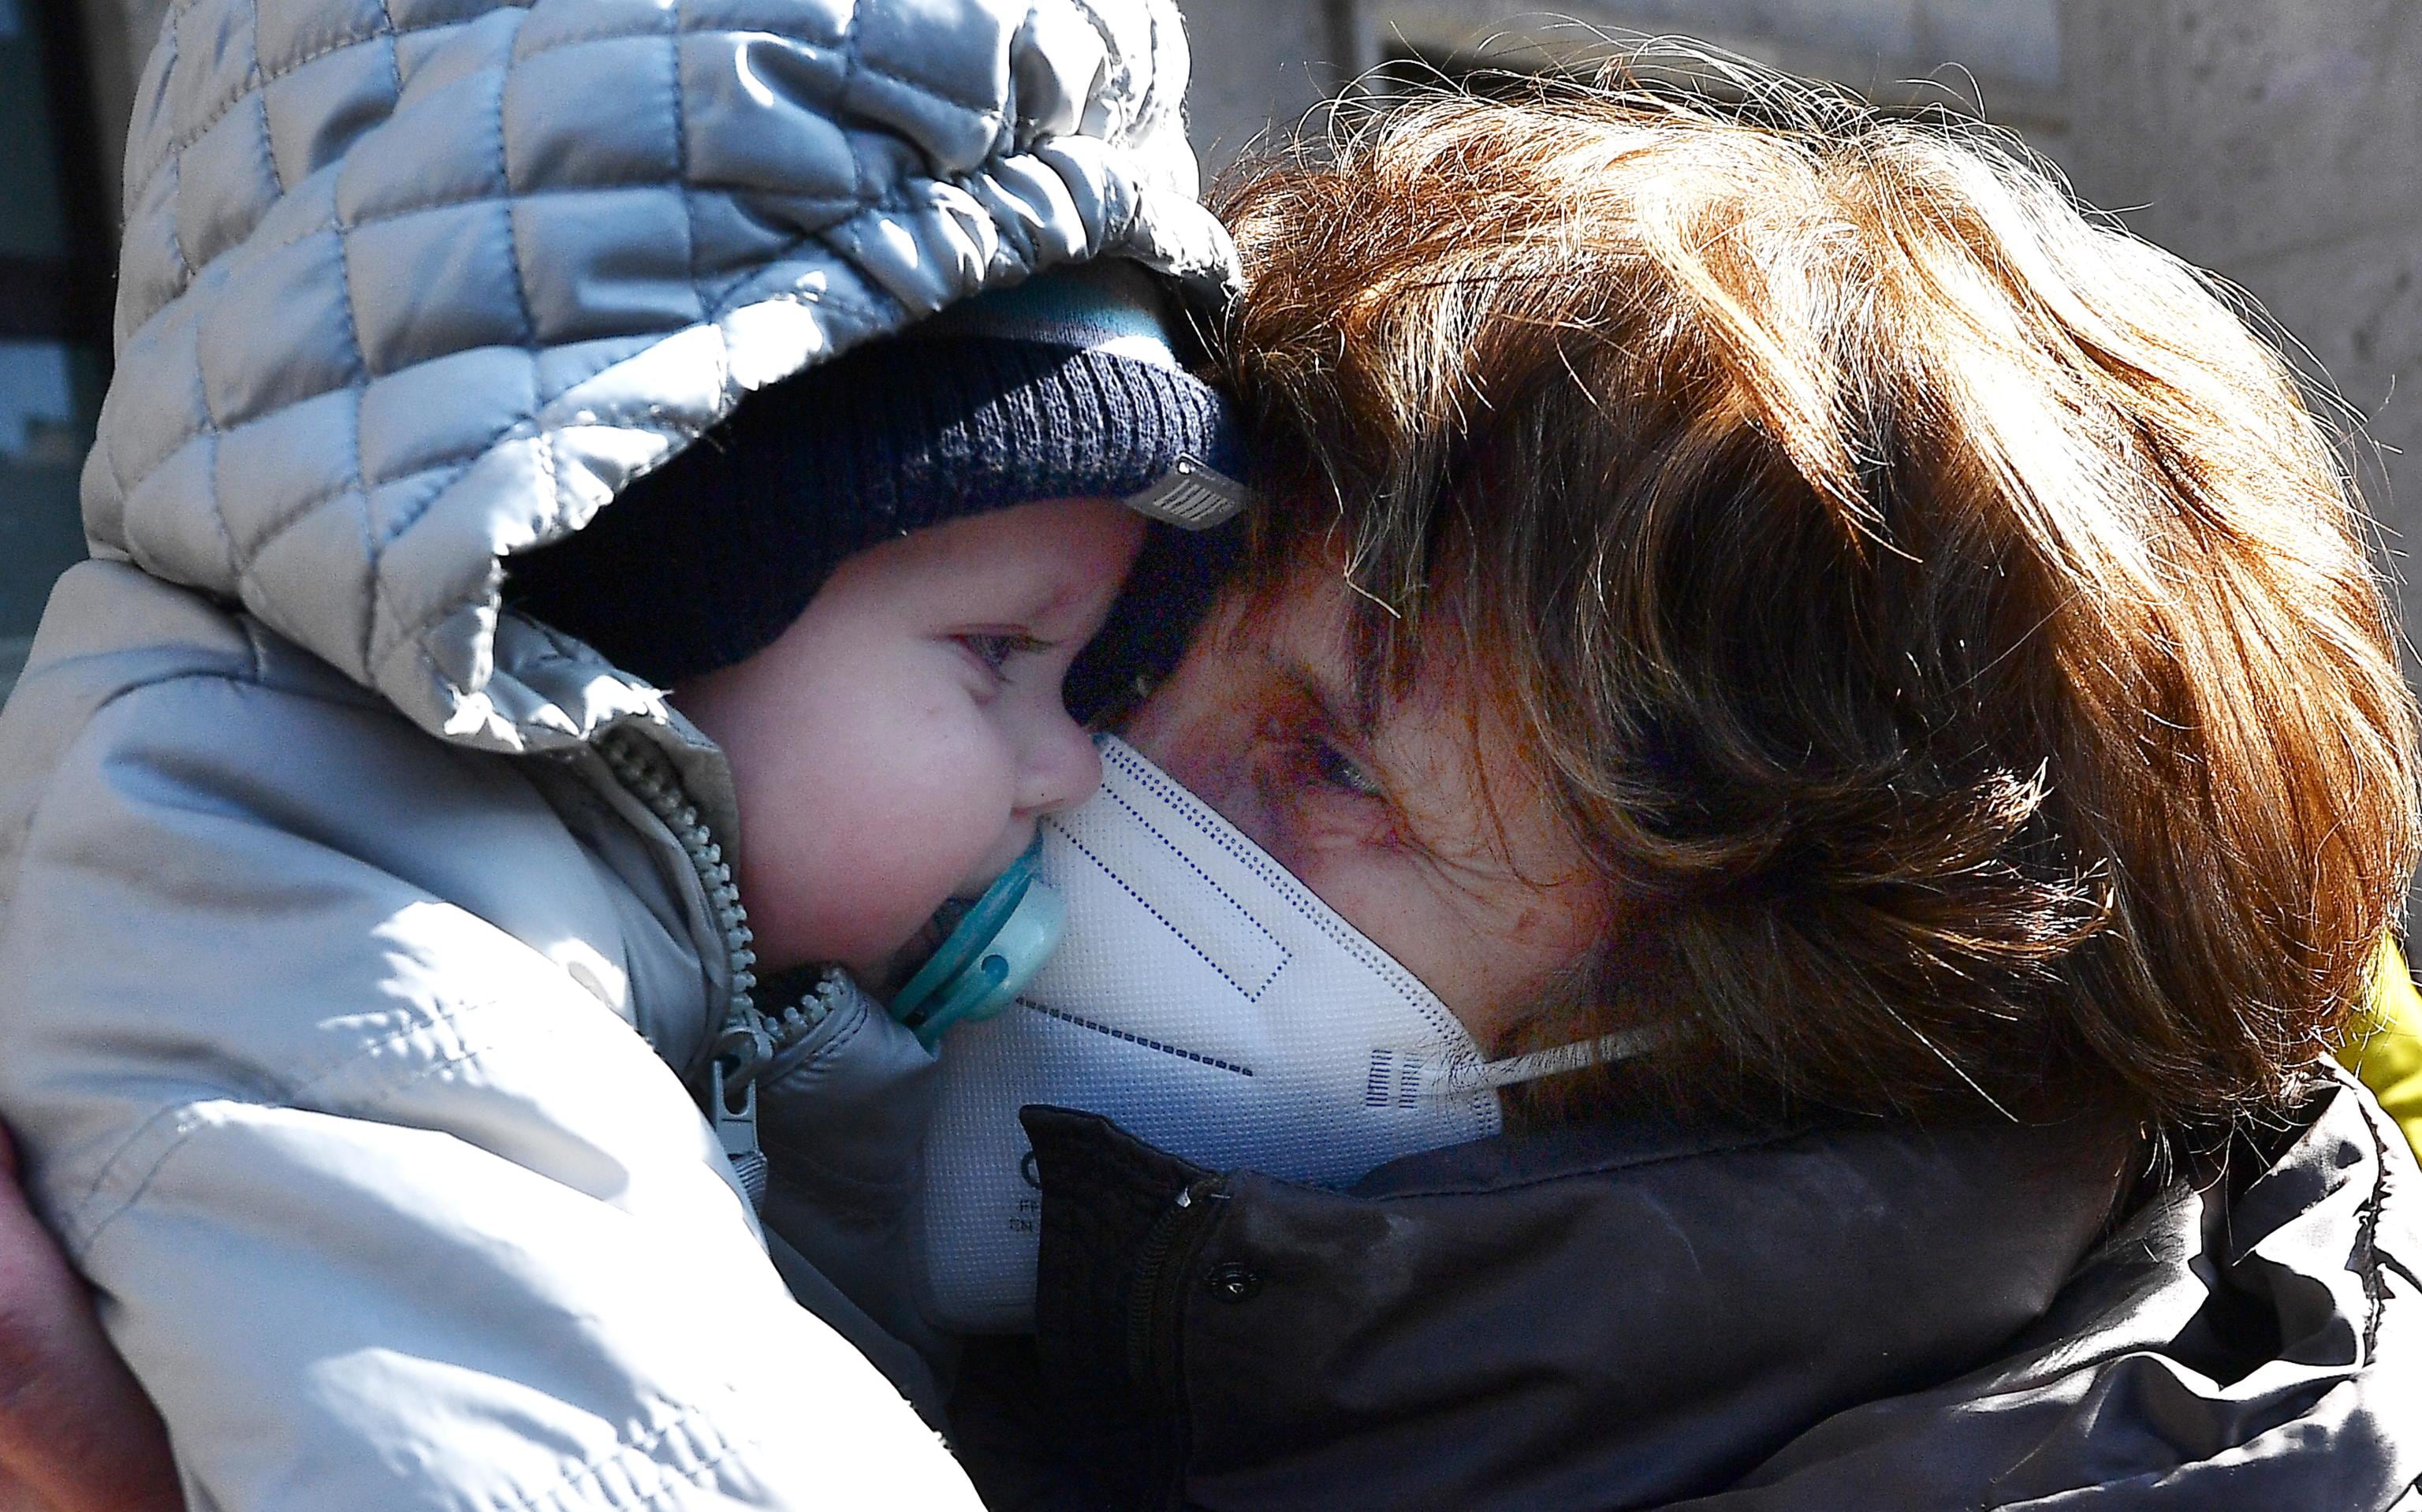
(867, 590)
(334, 891)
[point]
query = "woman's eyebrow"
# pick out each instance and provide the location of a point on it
(1352, 709)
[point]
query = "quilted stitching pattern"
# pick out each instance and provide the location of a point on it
(409, 285)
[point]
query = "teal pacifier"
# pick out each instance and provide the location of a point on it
(991, 948)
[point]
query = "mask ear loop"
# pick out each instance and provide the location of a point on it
(1562, 1060)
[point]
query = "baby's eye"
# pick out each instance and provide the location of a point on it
(998, 650)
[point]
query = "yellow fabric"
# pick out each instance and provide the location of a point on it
(2386, 1048)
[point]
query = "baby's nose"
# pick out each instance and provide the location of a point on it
(1062, 771)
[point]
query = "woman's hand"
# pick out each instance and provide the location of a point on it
(76, 1432)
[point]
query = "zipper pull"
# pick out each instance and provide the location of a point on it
(740, 1054)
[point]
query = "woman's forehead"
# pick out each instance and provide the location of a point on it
(1313, 621)
(1431, 714)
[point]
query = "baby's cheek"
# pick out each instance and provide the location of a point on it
(848, 882)
(873, 924)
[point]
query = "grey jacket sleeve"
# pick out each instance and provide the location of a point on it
(385, 1208)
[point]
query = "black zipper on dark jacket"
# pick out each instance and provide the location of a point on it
(1167, 1263)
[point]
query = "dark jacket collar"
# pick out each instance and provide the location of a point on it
(1804, 1318)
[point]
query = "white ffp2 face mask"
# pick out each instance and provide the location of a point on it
(1206, 1001)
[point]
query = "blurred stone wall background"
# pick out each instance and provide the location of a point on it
(2278, 142)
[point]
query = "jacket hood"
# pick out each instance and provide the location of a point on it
(409, 286)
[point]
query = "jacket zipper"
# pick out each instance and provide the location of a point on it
(1156, 1314)
(749, 1037)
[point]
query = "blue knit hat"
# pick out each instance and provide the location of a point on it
(1066, 387)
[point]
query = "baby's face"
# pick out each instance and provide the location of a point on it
(1420, 826)
(896, 746)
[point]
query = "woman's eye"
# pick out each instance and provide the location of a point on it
(1337, 770)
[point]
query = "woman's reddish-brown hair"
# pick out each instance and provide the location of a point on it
(1936, 612)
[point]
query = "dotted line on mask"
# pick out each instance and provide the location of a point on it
(1212, 1062)
(1415, 995)
(1252, 996)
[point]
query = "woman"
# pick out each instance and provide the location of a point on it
(1801, 592)
(1797, 589)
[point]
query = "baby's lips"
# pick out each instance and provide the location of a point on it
(999, 862)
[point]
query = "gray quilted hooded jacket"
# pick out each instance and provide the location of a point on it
(325, 924)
